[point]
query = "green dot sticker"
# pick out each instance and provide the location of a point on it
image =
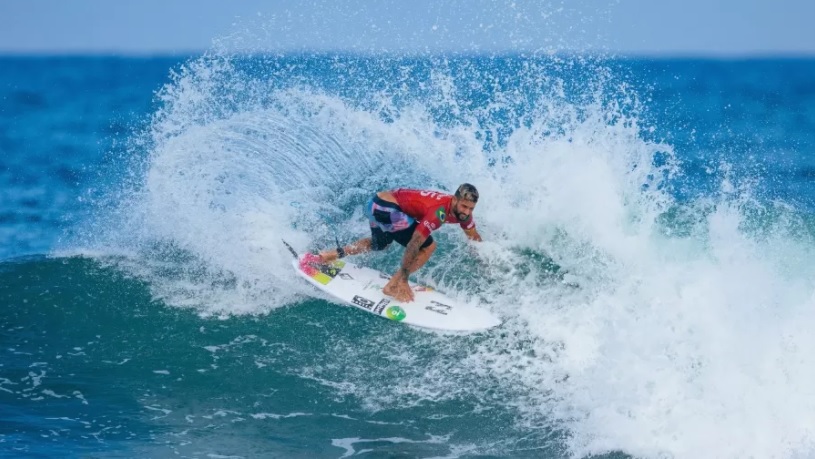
(395, 313)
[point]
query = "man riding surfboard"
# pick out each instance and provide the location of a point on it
(409, 216)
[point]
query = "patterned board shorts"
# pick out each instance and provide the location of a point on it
(389, 223)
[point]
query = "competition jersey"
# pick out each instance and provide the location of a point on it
(430, 209)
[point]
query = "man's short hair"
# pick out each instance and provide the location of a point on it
(468, 192)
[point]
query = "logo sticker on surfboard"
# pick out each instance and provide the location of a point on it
(395, 313)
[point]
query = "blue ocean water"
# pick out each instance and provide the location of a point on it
(149, 309)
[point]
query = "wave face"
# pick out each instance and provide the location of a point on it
(649, 247)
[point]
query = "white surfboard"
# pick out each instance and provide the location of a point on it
(359, 286)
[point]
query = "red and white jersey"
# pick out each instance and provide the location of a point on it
(430, 209)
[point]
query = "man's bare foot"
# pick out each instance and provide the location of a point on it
(400, 291)
(328, 256)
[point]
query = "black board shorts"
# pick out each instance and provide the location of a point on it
(390, 223)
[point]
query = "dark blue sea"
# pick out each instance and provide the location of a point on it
(649, 231)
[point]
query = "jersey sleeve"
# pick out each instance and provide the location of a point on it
(468, 224)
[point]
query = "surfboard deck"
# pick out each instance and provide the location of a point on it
(361, 287)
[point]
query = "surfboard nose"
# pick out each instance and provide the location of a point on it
(482, 319)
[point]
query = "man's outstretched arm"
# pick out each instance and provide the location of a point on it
(411, 253)
(473, 235)
(398, 286)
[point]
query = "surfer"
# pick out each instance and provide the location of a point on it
(408, 216)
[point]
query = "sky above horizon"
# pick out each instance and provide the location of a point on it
(635, 27)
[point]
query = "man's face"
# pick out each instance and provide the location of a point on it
(463, 209)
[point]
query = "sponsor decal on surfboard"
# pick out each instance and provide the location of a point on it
(381, 306)
(439, 308)
(396, 313)
(363, 302)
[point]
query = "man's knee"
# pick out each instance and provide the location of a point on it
(379, 239)
(376, 247)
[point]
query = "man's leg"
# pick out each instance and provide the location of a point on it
(354, 248)
(379, 239)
